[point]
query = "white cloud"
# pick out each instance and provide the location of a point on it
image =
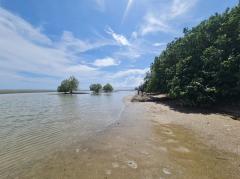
(180, 7)
(105, 62)
(75, 45)
(21, 27)
(130, 72)
(140, 47)
(128, 78)
(30, 59)
(24, 49)
(129, 82)
(80, 69)
(159, 44)
(120, 39)
(154, 24)
(158, 18)
(129, 53)
(128, 7)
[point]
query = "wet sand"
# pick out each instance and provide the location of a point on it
(148, 141)
(212, 128)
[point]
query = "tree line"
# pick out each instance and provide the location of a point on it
(71, 84)
(96, 88)
(202, 67)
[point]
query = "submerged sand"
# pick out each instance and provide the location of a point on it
(150, 141)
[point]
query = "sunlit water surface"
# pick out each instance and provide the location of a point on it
(34, 125)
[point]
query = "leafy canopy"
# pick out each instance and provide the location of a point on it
(203, 67)
(95, 88)
(68, 85)
(107, 88)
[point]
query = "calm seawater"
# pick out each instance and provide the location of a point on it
(34, 125)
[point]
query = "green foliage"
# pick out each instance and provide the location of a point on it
(107, 88)
(64, 87)
(68, 85)
(95, 88)
(73, 84)
(203, 66)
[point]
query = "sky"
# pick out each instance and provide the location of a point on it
(97, 41)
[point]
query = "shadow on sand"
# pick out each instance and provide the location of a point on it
(229, 110)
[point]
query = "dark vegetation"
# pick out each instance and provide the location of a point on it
(107, 88)
(96, 88)
(71, 84)
(68, 85)
(201, 68)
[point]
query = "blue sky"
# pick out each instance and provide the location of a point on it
(98, 41)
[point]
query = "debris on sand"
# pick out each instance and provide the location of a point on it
(132, 164)
(115, 165)
(166, 171)
(108, 172)
(182, 149)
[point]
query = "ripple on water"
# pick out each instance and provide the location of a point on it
(34, 125)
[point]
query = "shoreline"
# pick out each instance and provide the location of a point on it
(148, 140)
(215, 129)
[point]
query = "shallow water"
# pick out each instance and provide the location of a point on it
(35, 125)
(86, 136)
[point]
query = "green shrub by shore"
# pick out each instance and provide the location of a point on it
(202, 67)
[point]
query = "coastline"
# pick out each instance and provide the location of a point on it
(25, 91)
(214, 129)
(147, 140)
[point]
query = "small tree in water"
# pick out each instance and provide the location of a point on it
(95, 88)
(73, 84)
(108, 88)
(68, 85)
(63, 87)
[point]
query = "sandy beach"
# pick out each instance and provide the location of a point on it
(151, 141)
(213, 128)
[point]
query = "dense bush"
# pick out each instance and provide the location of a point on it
(68, 85)
(107, 88)
(95, 88)
(202, 67)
